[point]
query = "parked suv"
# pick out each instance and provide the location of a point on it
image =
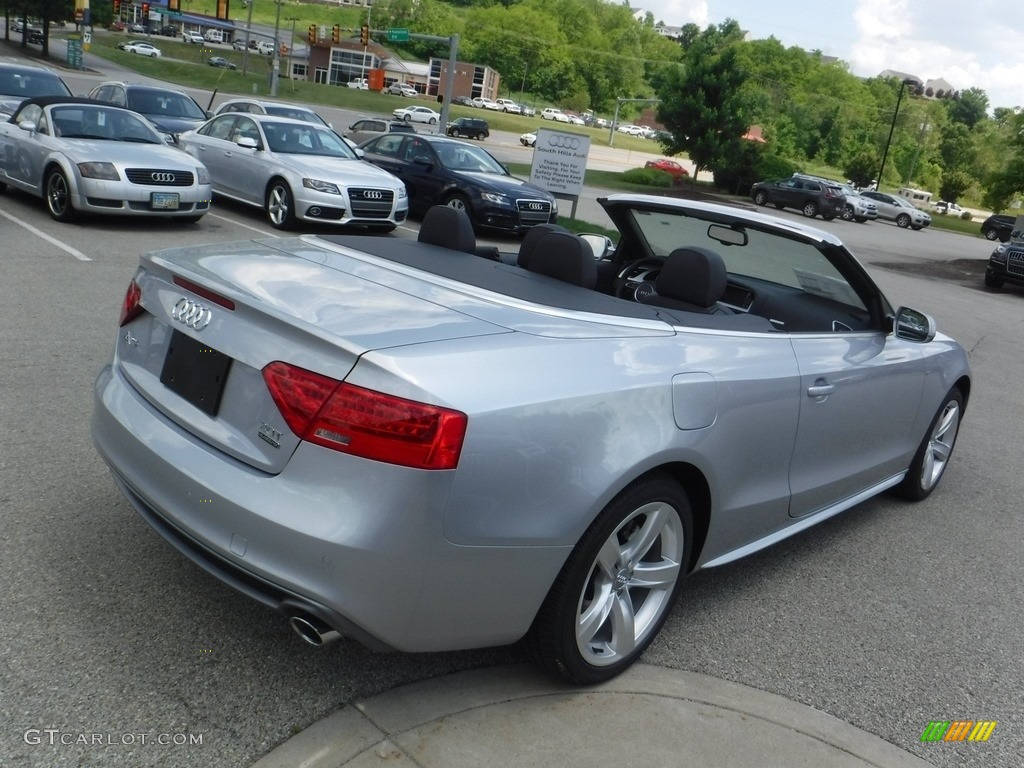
(900, 210)
(368, 128)
(998, 226)
(810, 196)
(172, 112)
(857, 208)
(470, 127)
(1006, 264)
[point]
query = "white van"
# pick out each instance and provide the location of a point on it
(214, 36)
(265, 47)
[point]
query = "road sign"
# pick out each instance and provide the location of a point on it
(398, 35)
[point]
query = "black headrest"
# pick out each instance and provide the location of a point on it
(693, 275)
(564, 256)
(448, 227)
(530, 239)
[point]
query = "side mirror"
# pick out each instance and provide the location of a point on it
(911, 325)
(247, 142)
(28, 125)
(599, 244)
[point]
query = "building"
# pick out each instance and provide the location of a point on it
(471, 80)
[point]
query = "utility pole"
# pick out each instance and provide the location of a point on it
(903, 84)
(276, 66)
(248, 26)
(291, 48)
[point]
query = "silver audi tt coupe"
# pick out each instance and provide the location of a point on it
(429, 446)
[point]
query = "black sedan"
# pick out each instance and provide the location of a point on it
(440, 170)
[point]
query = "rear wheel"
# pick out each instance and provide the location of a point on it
(848, 213)
(433, 121)
(618, 585)
(903, 220)
(280, 206)
(761, 197)
(810, 209)
(991, 234)
(933, 455)
(58, 196)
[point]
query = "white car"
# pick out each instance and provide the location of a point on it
(528, 139)
(507, 105)
(482, 103)
(575, 120)
(403, 89)
(359, 83)
(417, 115)
(144, 49)
(193, 37)
(553, 113)
(632, 130)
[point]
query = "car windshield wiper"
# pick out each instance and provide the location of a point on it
(137, 140)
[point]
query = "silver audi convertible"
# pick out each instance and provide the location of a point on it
(427, 445)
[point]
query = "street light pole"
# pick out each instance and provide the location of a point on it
(276, 66)
(248, 28)
(291, 48)
(903, 84)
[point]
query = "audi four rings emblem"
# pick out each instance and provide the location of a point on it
(161, 176)
(536, 206)
(192, 313)
(564, 142)
(373, 194)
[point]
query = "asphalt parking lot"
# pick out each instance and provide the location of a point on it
(116, 651)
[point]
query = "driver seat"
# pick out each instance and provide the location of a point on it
(692, 280)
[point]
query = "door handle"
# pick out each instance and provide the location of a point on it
(820, 388)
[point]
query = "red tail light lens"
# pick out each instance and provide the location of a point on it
(131, 306)
(365, 423)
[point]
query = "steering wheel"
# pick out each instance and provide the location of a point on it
(637, 278)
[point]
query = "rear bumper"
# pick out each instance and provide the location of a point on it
(356, 543)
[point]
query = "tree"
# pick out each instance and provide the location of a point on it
(1008, 181)
(954, 183)
(862, 167)
(968, 107)
(701, 101)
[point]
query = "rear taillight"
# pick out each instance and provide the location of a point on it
(366, 423)
(131, 306)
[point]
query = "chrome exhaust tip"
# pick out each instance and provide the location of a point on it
(314, 631)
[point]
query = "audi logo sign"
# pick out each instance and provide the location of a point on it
(162, 177)
(373, 194)
(537, 206)
(561, 141)
(191, 313)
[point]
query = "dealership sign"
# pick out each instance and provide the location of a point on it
(560, 161)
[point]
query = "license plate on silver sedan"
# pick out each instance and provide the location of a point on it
(163, 201)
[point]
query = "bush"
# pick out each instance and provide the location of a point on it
(752, 164)
(966, 215)
(648, 177)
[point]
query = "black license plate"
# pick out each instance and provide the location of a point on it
(164, 201)
(195, 371)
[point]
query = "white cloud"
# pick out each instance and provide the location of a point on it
(677, 13)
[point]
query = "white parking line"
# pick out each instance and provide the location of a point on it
(237, 223)
(52, 240)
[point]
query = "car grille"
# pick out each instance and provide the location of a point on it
(532, 212)
(164, 177)
(370, 203)
(1015, 263)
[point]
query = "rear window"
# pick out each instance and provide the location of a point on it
(29, 84)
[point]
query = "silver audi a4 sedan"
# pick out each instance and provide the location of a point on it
(428, 449)
(85, 156)
(295, 171)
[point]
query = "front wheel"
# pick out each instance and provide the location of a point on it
(991, 234)
(280, 206)
(933, 454)
(810, 209)
(903, 220)
(993, 282)
(58, 196)
(760, 197)
(848, 214)
(618, 585)
(407, 118)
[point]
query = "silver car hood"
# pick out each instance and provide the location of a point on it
(350, 172)
(127, 153)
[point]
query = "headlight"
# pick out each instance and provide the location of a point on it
(403, 193)
(554, 205)
(105, 171)
(492, 197)
(999, 254)
(202, 175)
(321, 186)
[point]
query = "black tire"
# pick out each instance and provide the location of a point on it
(455, 135)
(407, 118)
(780, 206)
(280, 205)
(460, 203)
(810, 209)
(903, 220)
(828, 216)
(932, 457)
(649, 527)
(761, 197)
(993, 282)
(58, 196)
(991, 234)
(433, 121)
(848, 213)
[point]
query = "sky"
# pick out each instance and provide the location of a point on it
(972, 44)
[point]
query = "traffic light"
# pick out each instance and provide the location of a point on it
(364, 34)
(336, 33)
(117, 7)
(145, 11)
(312, 33)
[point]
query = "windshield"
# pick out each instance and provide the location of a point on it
(306, 139)
(464, 157)
(164, 104)
(296, 113)
(101, 123)
(26, 84)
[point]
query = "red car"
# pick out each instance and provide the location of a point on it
(668, 166)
